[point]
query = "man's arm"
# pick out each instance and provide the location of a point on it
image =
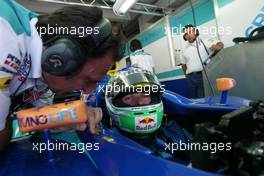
(5, 122)
(9, 61)
(184, 68)
(184, 61)
(5, 135)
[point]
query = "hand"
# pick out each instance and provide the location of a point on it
(94, 116)
(217, 47)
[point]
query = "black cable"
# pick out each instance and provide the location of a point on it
(198, 51)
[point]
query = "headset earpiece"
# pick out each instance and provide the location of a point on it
(64, 55)
(184, 37)
(197, 32)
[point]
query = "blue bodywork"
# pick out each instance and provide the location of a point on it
(180, 105)
(117, 155)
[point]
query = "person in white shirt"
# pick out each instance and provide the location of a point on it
(191, 63)
(139, 58)
(33, 66)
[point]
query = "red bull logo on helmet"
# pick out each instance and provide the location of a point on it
(146, 120)
(146, 123)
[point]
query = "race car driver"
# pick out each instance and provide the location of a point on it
(133, 104)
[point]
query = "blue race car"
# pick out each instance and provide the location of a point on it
(109, 152)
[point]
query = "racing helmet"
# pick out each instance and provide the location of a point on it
(136, 119)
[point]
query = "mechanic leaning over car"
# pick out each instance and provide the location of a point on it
(33, 67)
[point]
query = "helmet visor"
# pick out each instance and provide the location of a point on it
(118, 101)
(138, 78)
(126, 84)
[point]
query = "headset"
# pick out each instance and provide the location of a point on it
(65, 55)
(190, 26)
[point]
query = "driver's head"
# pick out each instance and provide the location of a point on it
(79, 21)
(133, 100)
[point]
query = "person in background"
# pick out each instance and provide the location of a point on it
(191, 62)
(139, 58)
